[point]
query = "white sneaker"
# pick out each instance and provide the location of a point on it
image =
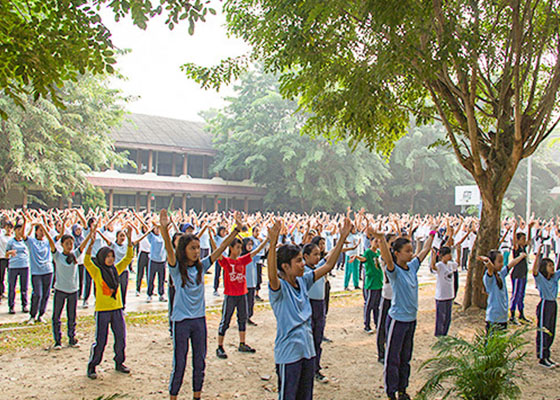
(30, 321)
(137, 293)
(162, 299)
(39, 319)
(85, 304)
(149, 300)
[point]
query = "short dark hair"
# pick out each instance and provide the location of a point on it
(285, 254)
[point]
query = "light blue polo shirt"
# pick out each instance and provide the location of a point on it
(404, 306)
(294, 337)
(251, 272)
(157, 248)
(189, 300)
(21, 259)
(40, 257)
(497, 307)
(67, 275)
(317, 290)
(548, 288)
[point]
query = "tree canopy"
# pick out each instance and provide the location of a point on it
(44, 43)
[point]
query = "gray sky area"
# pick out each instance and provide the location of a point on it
(153, 65)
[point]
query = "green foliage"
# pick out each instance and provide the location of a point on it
(486, 368)
(48, 42)
(93, 197)
(259, 134)
(48, 148)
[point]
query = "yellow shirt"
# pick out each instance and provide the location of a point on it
(103, 299)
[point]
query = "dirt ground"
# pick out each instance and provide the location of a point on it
(349, 361)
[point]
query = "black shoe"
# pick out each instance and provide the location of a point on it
(319, 377)
(221, 353)
(25, 310)
(554, 364)
(403, 396)
(545, 363)
(246, 349)
(523, 319)
(91, 373)
(122, 368)
(12, 311)
(251, 323)
(258, 298)
(73, 342)
(392, 396)
(326, 339)
(381, 360)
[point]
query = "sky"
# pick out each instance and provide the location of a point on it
(153, 70)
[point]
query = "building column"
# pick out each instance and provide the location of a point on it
(69, 203)
(246, 205)
(173, 169)
(24, 198)
(204, 167)
(203, 208)
(138, 161)
(150, 160)
(184, 203)
(149, 202)
(216, 203)
(111, 200)
(185, 164)
(137, 201)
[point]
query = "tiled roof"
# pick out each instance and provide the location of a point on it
(141, 131)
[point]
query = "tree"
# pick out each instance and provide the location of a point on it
(47, 42)
(258, 134)
(489, 71)
(52, 149)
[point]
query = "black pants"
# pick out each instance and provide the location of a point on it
(170, 300)
(251, 292)
(400, 342)
(217, 273)
(546, 319)
(123, 283)
(318, 327)
(455, 284)
(327, 296)
(87, 285)
(230, 304)
(41, 293)
(193, 330)
(81, 272)
(371, 304)
(384, 306)
(443, 316)
(13, 274)
(465, 252)
(142, 266)
(259, 276)
(60, 298)
(295, 380)
(159, 269)
(3, 268)
(114, 318)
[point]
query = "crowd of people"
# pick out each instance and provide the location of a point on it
(71, 252)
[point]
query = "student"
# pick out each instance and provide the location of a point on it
(5, 235)
(143, 260)
(218, 239)
(235, 294)
(41, 268)
(373, 283)
(189, 311)
(445, 268)
(78, 236)
(251, 278)
(402, 272)
(120, 247)
(18, 267)
(294, 350)
(259, 261)
(66, 286)
(546, 279)
(496, 287)
(97, 244)
(108, 302)
(519, 273)
(352, 263)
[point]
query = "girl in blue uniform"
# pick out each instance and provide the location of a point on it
(189, 309)
(294, 351)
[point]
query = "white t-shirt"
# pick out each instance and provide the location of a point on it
(3, 243)
(444, 282)
(387, 290)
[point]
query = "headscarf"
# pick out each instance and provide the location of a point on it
(78, 239)
(108, 273)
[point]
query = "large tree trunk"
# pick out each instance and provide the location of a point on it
(487, 239)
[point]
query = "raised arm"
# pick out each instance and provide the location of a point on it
(385, 251)
(258, 249)
(516, 260)
(331, 261)
(144, 235)
(105, 238)
(536, 262)
(272, 268)
(164, 224)
(427, 246)
(88, 238)
(218, 252)
(49, 237)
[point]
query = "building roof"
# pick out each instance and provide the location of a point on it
(150, 132)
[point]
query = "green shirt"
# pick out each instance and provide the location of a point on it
(374, 273)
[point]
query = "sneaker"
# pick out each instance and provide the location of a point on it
(85, 305)
(326, 339)
(57, 346)
(545, 363)
(523, 319)
(246, 349)
(513, 321)
(554, 364)
(122, 368)
(368, 330)
(356, 288)
(221, 353)
(91, 373)
(258, 298)
(39, 319)
(403, 396)
(346, 289)
(25, 309)
(12, 311)
(381, 360)
(74, 343)
(251, 323)
(149, 299)
(162, 299)
(137, 293)
(392, 397)
(319, 377)
(30, 321)
(216, 293)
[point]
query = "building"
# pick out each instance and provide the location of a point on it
(171, 161)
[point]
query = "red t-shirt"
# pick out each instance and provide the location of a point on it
(235, 282)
